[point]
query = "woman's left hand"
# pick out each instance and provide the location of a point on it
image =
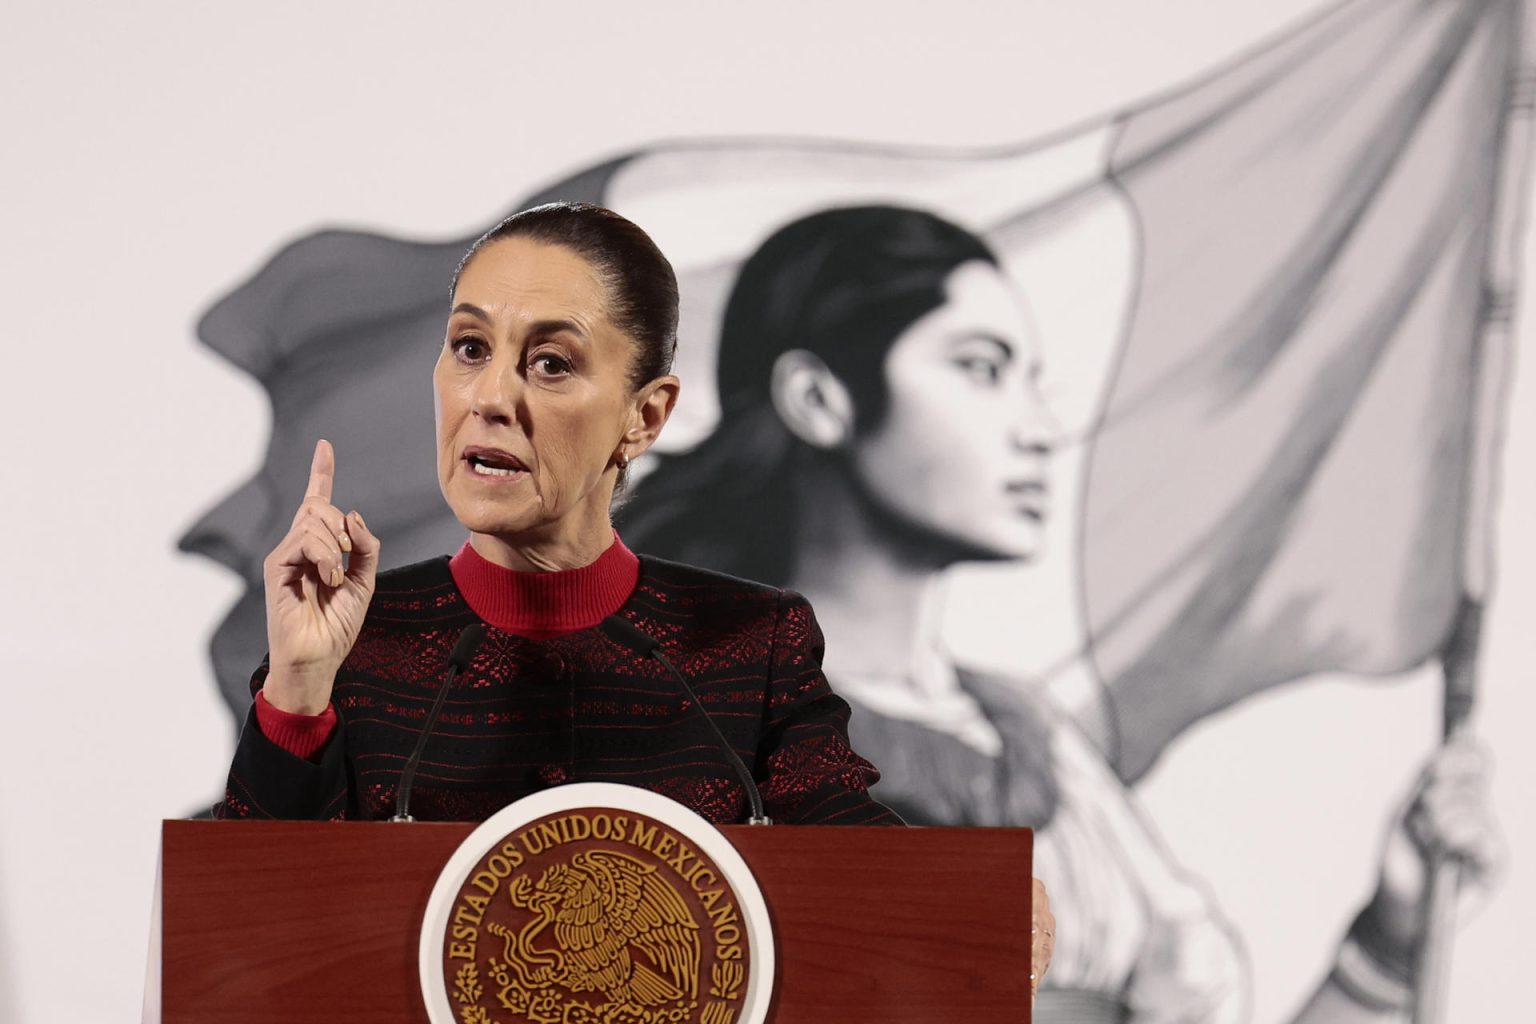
(1042, 937)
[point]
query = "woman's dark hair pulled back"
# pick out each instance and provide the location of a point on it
(842, 284)
(640, 283)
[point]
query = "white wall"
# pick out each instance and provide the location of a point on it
(157, 152)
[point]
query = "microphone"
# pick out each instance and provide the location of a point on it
(627, 634)
(469, 639)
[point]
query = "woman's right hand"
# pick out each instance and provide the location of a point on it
(316, 599)
(1448, 816)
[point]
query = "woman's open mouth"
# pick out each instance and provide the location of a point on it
(493, 463)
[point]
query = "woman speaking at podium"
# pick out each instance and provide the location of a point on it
(553, 375)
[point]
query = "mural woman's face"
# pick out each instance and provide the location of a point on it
(962, 452)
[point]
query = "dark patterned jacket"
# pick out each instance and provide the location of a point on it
(529, 714)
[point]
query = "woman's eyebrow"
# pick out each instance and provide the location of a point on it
(473, 310)
(556, 327)
(1004, 347)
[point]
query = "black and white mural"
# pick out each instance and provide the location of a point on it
(1145, 473)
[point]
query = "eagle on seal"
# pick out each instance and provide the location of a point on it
(605, 907)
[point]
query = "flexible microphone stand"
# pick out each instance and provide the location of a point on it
(627, 634)
(469, 639)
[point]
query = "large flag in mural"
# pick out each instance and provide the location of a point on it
(1284, 479)
(1267, 306)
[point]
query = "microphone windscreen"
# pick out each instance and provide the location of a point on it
(465, 648)
(621, 631)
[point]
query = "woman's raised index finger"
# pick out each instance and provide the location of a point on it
(322, 471)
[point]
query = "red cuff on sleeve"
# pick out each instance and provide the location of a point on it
(300, 735)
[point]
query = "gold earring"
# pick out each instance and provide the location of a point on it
(622, 458)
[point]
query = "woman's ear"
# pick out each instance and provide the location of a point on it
(653, 407)
(811, 400)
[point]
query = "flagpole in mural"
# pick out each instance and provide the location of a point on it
(1431, 974)
(1460, 656)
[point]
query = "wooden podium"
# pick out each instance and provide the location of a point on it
(262, 921)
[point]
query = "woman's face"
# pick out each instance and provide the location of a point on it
(963, 449)
(532, 393)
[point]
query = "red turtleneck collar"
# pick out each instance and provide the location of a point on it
(541, 605)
